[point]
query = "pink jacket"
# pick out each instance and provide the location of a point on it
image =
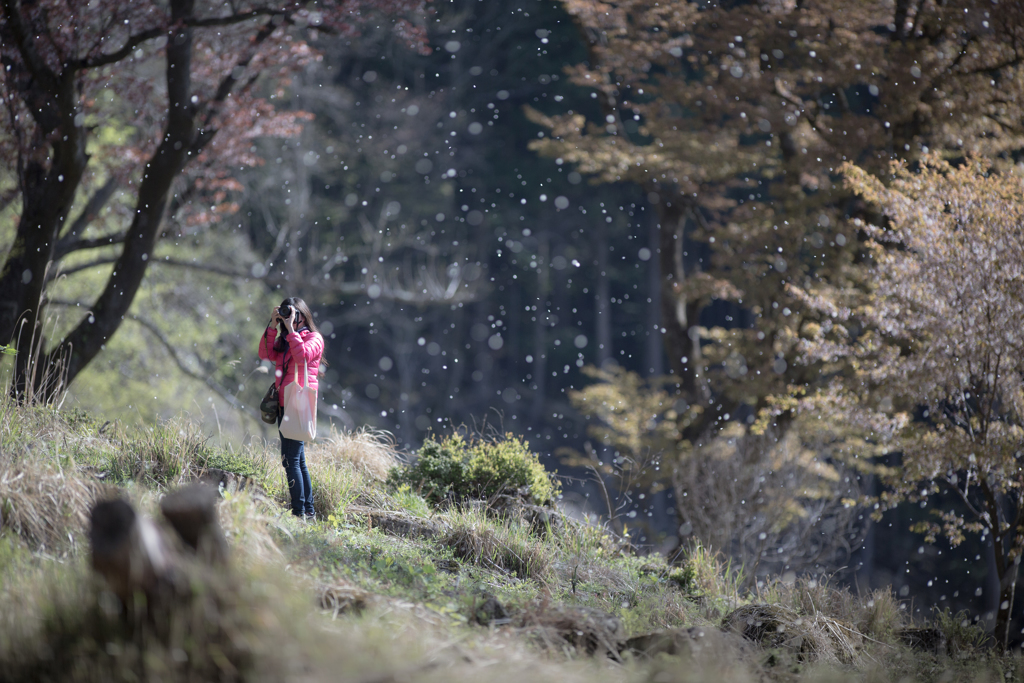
(304, 347)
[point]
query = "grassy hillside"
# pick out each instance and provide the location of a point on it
(387, 586)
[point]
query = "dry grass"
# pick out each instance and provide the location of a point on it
(876, 614)
(341, 597)
(370, 452)
(342, 468)
(163, 454)
(56, 624)
(266, 618)
(510, 548)
(574, 630)
(335, 486)
(45, 505)
(247, 524)
(812, 638)
(43, 432)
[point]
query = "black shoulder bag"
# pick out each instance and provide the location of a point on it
(270, 406)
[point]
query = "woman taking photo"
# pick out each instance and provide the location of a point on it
(293, 342)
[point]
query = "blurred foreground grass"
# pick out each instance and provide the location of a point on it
(388, 587)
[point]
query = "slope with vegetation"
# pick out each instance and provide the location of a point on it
(397, 580)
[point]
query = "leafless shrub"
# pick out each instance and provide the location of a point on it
(769, 502)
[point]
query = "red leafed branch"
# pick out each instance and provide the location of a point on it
(82, 74)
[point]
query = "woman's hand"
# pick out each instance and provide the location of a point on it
(275, 316)
(290, 321)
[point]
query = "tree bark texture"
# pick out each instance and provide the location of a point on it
(92, 333)
(602, 301)
(49, 173)
(679, 315)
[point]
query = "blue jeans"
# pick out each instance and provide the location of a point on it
(293, 457)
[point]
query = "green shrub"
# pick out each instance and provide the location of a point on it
(457, 469)
(509, 464)
(439, 471)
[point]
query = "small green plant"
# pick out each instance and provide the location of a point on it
(708, 575)
(457, 469)
(231, 461)
(438, 473)
(962, 636)
(160, 454)
(406, 499)
(685, 577)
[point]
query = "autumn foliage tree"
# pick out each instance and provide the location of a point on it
(735, 117)
(154, 104)
(937, 350)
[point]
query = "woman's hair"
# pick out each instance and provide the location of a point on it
(303, 308)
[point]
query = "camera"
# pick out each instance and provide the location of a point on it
(285, 311)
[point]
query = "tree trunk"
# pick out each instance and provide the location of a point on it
(602, 302)
(540, 327)
(110, 309)
(679, 316)
(1008, 587)
(655, 348)
(49, 175)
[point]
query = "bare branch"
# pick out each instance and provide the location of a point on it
(206, 379)
(227, 84)
(67, 247)
(239, 18)
(344, 288)
(210, 268)
(85, 266)
(33, 60)
(92, 208)
(126, 49)
(149, 34)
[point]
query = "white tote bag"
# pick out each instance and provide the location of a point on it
(299, 421)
